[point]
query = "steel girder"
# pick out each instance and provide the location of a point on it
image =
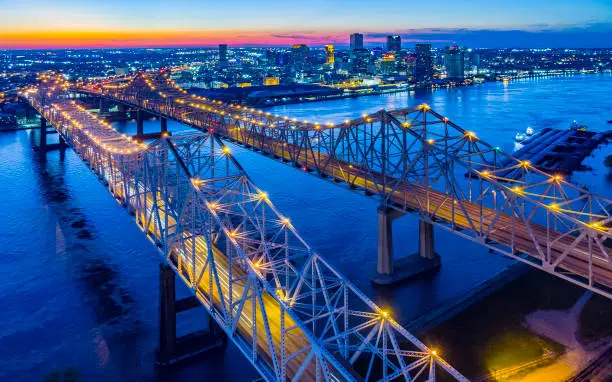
(291, 313)
(417, 160)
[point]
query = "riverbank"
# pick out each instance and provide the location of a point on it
(409, 89)
(500, 338)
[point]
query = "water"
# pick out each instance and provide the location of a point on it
(79, 279)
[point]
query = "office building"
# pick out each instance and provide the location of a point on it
(423, 65)
(454, 62)
(223, 52)
(394, 43)
(329, 55)
(356, 41)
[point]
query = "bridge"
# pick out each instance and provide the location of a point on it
(287, 309)
(412, 160)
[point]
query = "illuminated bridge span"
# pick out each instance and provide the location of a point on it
(285, 307)
(414, 160)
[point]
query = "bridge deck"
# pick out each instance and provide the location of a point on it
(506, 233)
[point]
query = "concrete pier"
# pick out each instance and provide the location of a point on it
(139, 123)
(43, 133)
(390, 270)
(164, 125)
(173, 349)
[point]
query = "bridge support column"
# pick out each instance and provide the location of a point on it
(103, 106)
(173, 349)
(43, 133)
(426, 240)
(164, 125)
(139, 123)
(390, 270)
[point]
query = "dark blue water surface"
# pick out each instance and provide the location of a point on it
(79, 280)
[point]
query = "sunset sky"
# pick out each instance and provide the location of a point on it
(153, 23)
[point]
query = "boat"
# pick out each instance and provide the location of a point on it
(577, 126)
(522, 137)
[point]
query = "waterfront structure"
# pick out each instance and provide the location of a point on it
(423, 66)
(454, 62)
(356, 41)
(394, 43)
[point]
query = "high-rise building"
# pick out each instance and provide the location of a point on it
(299, 55)
(394, 43)
(329, 54)
(361, 61)
(388, 65)
(454, 62)
(356, 41)
(223, 52)
(423, 65)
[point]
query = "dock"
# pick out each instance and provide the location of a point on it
(558, 151)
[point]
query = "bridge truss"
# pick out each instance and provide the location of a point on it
(289, 311)
(415, 160)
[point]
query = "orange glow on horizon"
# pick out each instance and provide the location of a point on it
(142, 38)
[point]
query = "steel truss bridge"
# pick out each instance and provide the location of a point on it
(414, 160)
(289, 311)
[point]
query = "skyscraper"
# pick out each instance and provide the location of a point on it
(394, 43)
(329, 54)
(423, 66)
(223, 52)
(454, 62)
(356, 41)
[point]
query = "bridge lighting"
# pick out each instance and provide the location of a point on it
(470, 134)
(434, 353)
(517, 190)
(347, 122)
(557, 178)
(554, 207)
(286, 221)
(226, 150)
(431, 141)
(385, 314)
(525, 164)
(262, 195)
(424, 107)
(485, 173)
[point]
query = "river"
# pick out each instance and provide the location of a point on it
(79, 290)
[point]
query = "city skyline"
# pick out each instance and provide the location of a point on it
(71, 24)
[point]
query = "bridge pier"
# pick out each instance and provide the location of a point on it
(173, 349)
(390, 270)
(43, 134)
(103, 106)
(139, 123)
(164, 125)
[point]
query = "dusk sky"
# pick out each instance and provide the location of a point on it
(154, 23)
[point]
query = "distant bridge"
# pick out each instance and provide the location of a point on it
(289, 311)
(413, 160)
